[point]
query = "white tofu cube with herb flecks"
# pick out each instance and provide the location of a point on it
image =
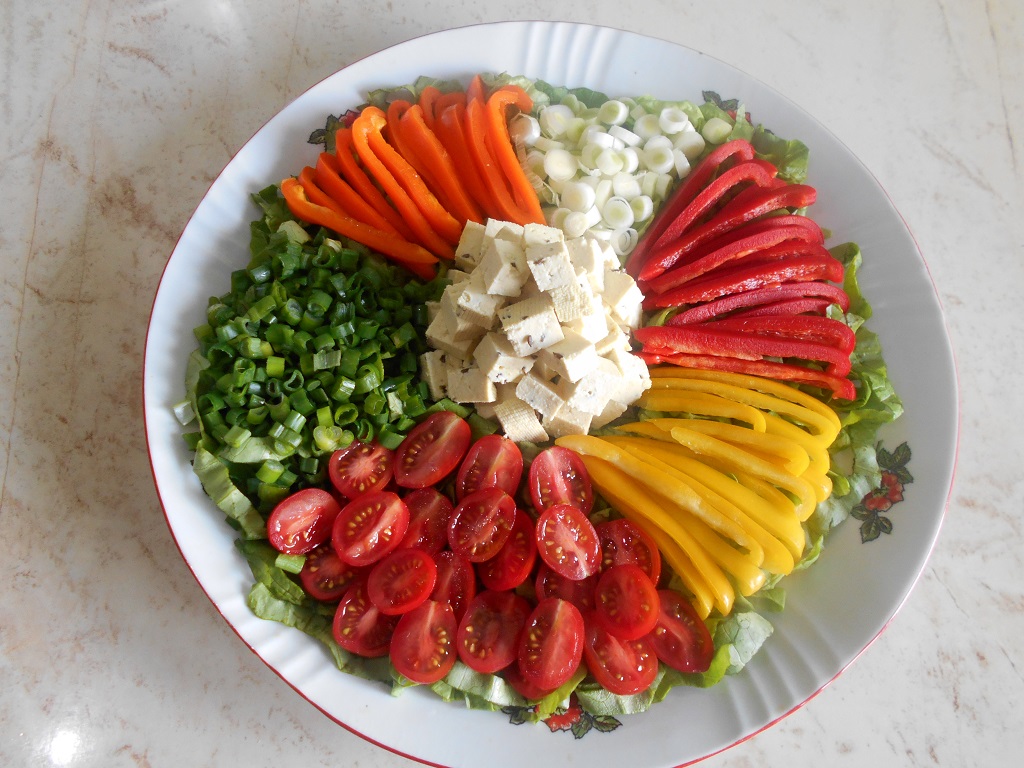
(611, 412)
(541, 395)
(615, 339)
(537, 234)
(572, 300)
(623, 297)
(519, 421)
(459, 326)
(433, 307)
(587, 258)
(470, 385)
(503, 266)
(593, 326)
(550, 265)
(434, 371)
(571, 358)
(635, 377)
(504, 392)
(611, 259)
(530, 325)
(475, 304)
(592, 393)
(441, 336)
(509, 230)
(499, 362)
(468, 251)
(567, 421)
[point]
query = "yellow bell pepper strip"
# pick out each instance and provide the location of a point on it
(666, 485)
(817, 453)
(433, 226)
(747, 574)
(412, 256)
(328, 178)
(740, 460)
(500, 143)
(353, 173)
(703, 404)
(705, 580)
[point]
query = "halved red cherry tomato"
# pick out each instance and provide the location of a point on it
(626, 602)
(370, 527)
(514, 561)
(551, 584)
(567, 542)
(401, 581)
(493, 461)
(325, 577)
(514, 677)
(622, 541)
(423, 645)
(361, 468)
(481, 524)
(624, 667)
(680, 638)
(456, 581)
(431, 450)
(429, 513)
(302, 521)
(359, 626)
(488, 638)
(558, 476)
(551, 644)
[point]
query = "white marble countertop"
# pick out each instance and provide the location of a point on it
(116, 116)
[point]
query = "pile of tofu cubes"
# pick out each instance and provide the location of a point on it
(534, 331)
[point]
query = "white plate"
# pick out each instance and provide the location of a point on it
(834, 610)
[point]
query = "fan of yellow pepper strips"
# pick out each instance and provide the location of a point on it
(722, 481)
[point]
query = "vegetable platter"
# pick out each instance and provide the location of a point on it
(832, 611)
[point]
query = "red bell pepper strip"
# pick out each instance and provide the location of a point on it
(410, 255)
(736, 250)
(353, 173)
(809, 305)
(749, 171)
(500, 143)
(432, 226)
(328, 178)
(841, 387)
(767, 296)
(817, 266)
(693, 184)
(450, 129)
(817, 330)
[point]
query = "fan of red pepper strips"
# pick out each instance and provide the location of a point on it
(752, 281)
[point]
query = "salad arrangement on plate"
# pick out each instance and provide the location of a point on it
(528, 392)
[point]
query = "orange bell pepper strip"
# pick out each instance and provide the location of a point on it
(500, 143)
(328, 178)
(433, 226)
(494, 177)
(450, 127)
(445, 100)
(353, 173)
(307, 178)
(395, 134)
(423, 143)
(410, 255)
(427, 102)
(476, 89)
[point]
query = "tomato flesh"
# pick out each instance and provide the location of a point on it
(360, 468)
(359, 626)
(302, 521)
(551, 644)
(567, 542)
(514, 561)
(680, 638)
(578, 592)
(481, 524)
(488, 637)
(624, 667)
(626, 602)
(493, 461)
(401, 581)
(423, 644)
(431, 450)
(558, 476)
(370, 527)
(622, 542)
(325, 577)
(456, 581)
(429, 513)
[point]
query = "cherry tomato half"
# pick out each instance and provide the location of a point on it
(488, 637)
(626, 602)
(551, 584)
(429, 513)
(680, 638)
(359, 626)
(325, 577)
(370, 527)
(302, 521)
(401, 581)
(567, 542)
(558, 476)
(623, 667)
(431, 450)
(551, 644)
(493, 461)
(361, 468)
(456, 581)
(622, 541)
(481, 524)
(514, 561)
(423, 644)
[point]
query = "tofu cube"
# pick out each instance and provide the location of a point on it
(519, 421)
(475, 304)
(572, 300)
(593, 326)
(470, 385)
(499, 362)
(469, 249)
(568, 421)
(616, 339)
(571, 358)
(550, 265)
(592, 393)
(530, 325)
(508, 230)
(611, 412)
(434, 371)
(538, 234)
(442, 337)
(539, 394)
(503, 267)
(587, 257)
(622, 297)
(487, 410)
(635, 379)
